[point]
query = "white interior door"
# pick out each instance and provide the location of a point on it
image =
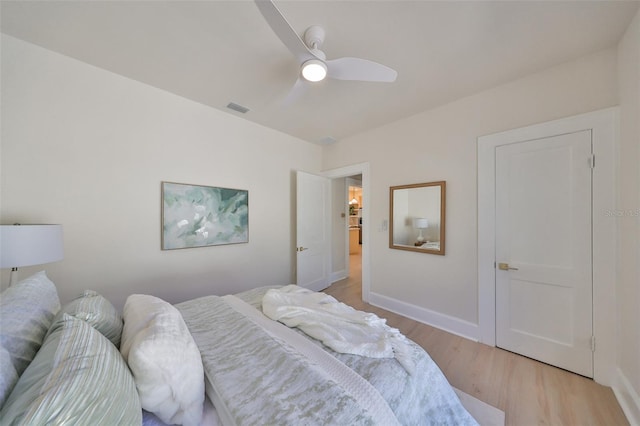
(544, 250)
(313, 231)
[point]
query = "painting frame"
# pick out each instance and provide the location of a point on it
(194, 216)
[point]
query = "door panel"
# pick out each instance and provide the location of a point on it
(543, 233)
(525, 317)
(313, 235)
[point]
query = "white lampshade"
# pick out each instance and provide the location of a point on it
(25, 245)
(420, 223)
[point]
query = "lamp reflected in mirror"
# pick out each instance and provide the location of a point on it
(420, 223)
(417, 217)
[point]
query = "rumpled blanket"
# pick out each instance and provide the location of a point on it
(338, 326)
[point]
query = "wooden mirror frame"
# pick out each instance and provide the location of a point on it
(426, 248)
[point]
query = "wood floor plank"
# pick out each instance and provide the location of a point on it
(528, 391)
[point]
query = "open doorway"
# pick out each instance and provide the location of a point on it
(344, 266)
(354, 206)
(348, 235)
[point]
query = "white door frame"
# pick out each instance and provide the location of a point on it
(603, 124)
(360, 169)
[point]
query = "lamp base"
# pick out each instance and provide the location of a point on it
(14, 277)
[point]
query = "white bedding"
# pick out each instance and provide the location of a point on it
(338, 326)
(259, 380)
(354, 385)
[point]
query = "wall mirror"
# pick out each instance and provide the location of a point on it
(417, 217)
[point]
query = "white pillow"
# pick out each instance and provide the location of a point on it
(139, 311)
(164, 359)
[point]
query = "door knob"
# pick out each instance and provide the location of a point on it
(506, 267)
(302, 248)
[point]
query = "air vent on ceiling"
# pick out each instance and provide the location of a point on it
(241, 109)
(328, 140)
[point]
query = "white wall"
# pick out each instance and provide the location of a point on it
(88, 149)
(628, 218)
(440, 144)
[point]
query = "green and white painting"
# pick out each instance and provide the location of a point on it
(199, 216)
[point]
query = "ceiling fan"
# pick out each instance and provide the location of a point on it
(314, 65)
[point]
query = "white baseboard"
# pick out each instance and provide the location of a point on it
(338, 275)
(435, 319)
(627, 398)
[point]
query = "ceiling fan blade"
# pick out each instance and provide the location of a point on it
(360, 69)
(296, 92)
(284, 30)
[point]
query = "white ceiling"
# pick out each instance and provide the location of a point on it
(216, 52)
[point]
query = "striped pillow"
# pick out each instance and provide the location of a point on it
(98, 312)
(8, 375)
(77, 377)
(26, 313)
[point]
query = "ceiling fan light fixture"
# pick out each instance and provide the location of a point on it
(314, 70)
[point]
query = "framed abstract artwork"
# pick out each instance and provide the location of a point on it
(200, 216)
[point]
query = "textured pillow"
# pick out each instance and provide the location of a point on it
(164, 360)
(8, 375)
(77, 377)
(139, 310)
(26, 313)
(98, 312)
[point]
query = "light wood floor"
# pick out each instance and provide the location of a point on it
(528, 391)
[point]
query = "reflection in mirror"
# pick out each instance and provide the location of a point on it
(417, 216)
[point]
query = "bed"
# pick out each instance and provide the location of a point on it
(210, 360)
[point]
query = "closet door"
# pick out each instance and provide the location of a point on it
(544, 290)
